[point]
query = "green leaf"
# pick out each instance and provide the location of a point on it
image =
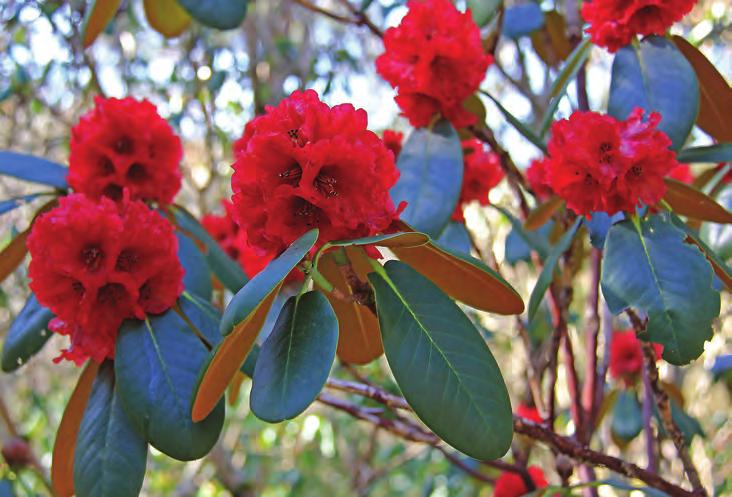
(157, 364)
(719, 236)
(265, 282)
(520, 127)
(442, 364)
(33, 169)
(522, 19)
(27, 335)
(431, 166)
(13, 203)
(484, 11)
(550, 264)
(627, 418)
(536, 240)
(455, 237)
(197, 278)
(6, 488)
(398, 239)
(688, 425)
(649, 267)
(110, 456)
(219, 14)
(224, 267)
(559, 87)
(721, 152)
(295, 360)
(721, 269)
(656, 77)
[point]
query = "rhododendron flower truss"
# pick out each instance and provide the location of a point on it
(96, 263)
(435, 60)
(482, 172)
(599, 164)
(511, 484)
(305, 165)
(124, 143)
(626, 356)
(615, 23)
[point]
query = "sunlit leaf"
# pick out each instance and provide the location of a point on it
(12, 255)
(33, 169)
(688, 201)
(220, 14)
(539, 216)
(166, 17)
(98, 15)
(721, 152)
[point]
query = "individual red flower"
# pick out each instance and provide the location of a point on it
(682, 173)
(124, 143)
(481, 172)
(435, 60)
(537, 176)
(615, 23)
(599, 164)
(96, 263)
(304, 165)
(234, 240)
(511, 484)
(530, 413)
(626, 355)
(393, 141)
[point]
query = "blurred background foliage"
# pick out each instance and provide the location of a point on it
(208, 84)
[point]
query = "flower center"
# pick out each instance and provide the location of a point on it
(636, 171)
(92, 257)
(136, 172)
(106, 166)
(292, 175)
(113, 191)
(126, 261)
(111, 293)
(297, 140)
(325, 184)
(307, 211)
(77, 287)
(606, 156)
(123, 146)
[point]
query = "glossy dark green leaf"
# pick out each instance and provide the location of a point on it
(721, 152)
(219, 14)
(484, 11)
(224, 267)
(431, 167)
(550, 265)
(13, 203)
(599, 225)
(269, 278)
(442, 364)
(522, 19)
(26, 335)
(295, 360)
(6, 488)
(517, 249)
(157, 365)
(719, 236)
(197, 278)
(536, 240)
(656, 77)
(650, 268)
(455, 237)
(627, 417)
(110, 456)
(33, 169)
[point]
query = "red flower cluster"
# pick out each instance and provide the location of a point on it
(96, 263)
(435, 60)
(626, 355)
(234, 240)
(124, 143)
(599, 164)
(511, 484)
(682, 173)
(393, 141)
(481, 172)
(530, 413)
(304, 165)
(614, 23)
(537, 176)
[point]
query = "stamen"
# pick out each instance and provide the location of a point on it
(92, 257)
(292, 175)
(326, 185)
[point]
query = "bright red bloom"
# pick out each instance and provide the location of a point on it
(511, 484)
(682, 173)
(96, 263)
(615, 23)
(626, 355)
(530, 413)
(481, 172)
(124, 143)
(393, 141)
(304, 165)
(435, 60)
(234, 240)
(537, 176)
(597, 163)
